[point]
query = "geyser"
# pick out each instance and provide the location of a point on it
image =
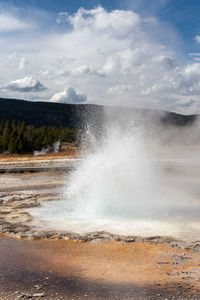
(107, 184)
(122, 185)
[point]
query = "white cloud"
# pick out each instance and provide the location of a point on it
(86, 70)
(117, 23)
(45, 74)
(196, 58)
(62, 17)
(26, 84)
(197, 38)
(22, 63)
(194, 54)
(115, 57)
(82, 70)
(120, 89)
(69, 96)
(11, 23)
(187, 104)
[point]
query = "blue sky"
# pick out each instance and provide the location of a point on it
(143, 53)
(183, 15)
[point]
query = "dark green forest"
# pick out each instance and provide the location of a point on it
(17, 137)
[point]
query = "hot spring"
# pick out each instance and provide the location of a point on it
(124, 183)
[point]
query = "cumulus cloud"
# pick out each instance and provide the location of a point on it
(117, 23)
(11, 23)
(26, 84)
(86, 70)
(69, 95)
(117, 57)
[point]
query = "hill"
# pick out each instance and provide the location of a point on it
(76, 116)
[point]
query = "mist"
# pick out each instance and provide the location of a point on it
(54, 148)
(134, 177)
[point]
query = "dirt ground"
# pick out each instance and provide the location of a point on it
(109, 270)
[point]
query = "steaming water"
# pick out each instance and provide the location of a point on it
(122, 185)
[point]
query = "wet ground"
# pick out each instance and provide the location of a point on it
(109, 270)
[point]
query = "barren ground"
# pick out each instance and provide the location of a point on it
(106, 270)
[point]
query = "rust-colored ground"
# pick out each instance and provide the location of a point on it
(138, 263)
(108, 270)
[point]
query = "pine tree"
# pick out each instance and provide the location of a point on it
(20, 147)
(6, 136)
(12, 148)
(13, 125)
(1, 127)
(29, 136)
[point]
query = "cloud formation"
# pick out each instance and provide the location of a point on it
(136, 69)
(11, 23)
(69, 95)
(117, 23)
(115, 58)
(26, 84)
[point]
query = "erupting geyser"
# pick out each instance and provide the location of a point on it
(113, 180)
(121, 186)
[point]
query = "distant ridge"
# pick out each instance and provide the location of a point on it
(77, 115)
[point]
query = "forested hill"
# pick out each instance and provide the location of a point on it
(76, 116)
(42, 113)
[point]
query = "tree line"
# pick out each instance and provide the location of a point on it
(17, 137)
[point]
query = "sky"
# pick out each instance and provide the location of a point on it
(137, 53)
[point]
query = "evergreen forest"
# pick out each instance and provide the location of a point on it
(17, 137)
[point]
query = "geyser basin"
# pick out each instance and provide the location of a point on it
(125, 186)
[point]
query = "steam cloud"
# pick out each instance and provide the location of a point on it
(134, 178)
(55, 148)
